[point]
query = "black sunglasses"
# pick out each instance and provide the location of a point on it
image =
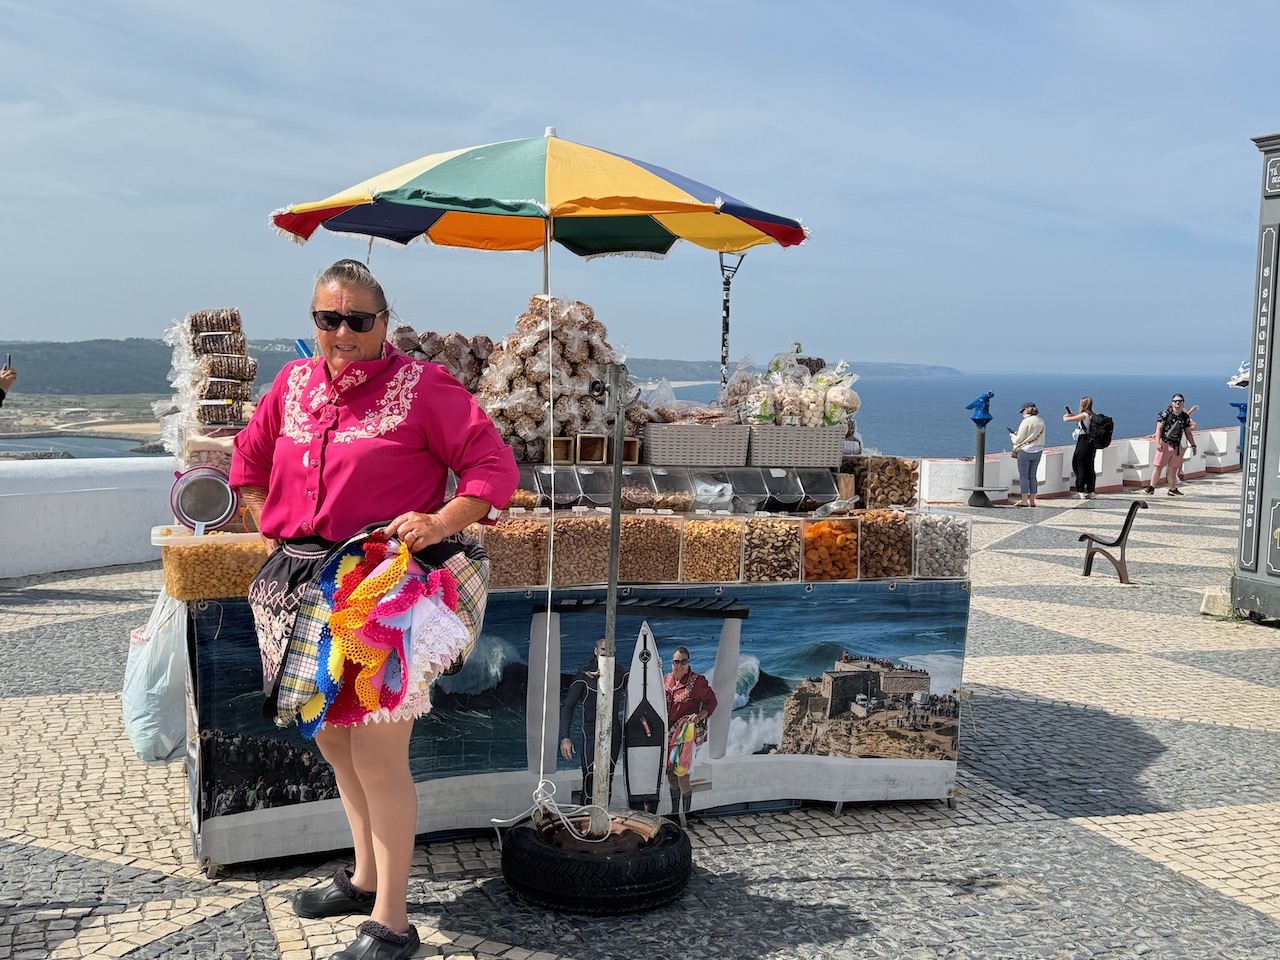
(358, 322)
(679, 660)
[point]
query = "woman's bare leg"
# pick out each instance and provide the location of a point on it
(335, 746)
(380, 758)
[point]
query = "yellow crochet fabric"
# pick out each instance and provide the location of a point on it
(343, 623)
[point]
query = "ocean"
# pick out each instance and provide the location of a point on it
(79, 447)
(926, 416)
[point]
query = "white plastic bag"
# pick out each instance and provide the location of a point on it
(155, 684)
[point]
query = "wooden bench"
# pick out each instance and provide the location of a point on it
(1094, 545)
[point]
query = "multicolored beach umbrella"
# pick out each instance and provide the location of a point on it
(517, 194)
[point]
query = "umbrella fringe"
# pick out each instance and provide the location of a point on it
(633, 254)
(287, 234)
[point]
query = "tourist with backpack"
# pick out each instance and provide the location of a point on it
(1172, 426)
(1092, 433)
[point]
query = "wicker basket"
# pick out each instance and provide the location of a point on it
(776, 446)
(693, 444)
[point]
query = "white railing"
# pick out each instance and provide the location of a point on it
(76, 514)
(1124, 464)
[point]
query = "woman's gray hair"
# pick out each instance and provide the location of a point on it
(351, 273)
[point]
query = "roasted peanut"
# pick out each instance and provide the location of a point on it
(211, 567)
(650, 550)
(517, 550)
(580, 550)
(712, 551)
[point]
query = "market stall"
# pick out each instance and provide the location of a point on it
(828, 613)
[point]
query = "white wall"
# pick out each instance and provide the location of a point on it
(75, 514)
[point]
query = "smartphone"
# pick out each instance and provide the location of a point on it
(1068, 409)
(8, 360)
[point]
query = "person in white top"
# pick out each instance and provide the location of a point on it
(1028, 446)
(1082, 462)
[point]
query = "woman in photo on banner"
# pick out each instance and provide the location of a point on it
(362, 438)
(690, 701)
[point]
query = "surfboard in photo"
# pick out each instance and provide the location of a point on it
(644, 731)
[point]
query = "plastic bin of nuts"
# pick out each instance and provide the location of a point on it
(673, 490)
(559, 486)
(884, 482)
(771, 548)
(517, 549)
(885, 547)
(831, 549)
(712, 550)
(580, 547)
(637, 489)
(942, 546)
(208, 567)
(649, 549)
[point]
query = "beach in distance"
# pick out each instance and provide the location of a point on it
(926, 416)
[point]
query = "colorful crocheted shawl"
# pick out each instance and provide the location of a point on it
(367, 663)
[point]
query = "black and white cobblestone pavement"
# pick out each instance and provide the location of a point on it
(1119, 770)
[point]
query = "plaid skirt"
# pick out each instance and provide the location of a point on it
(276, 597)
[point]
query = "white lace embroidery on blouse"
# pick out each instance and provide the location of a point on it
(296, 424)
(390, 411)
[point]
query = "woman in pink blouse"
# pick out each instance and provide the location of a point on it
(349, 439)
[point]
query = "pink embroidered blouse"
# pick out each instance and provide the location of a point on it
(337, 456)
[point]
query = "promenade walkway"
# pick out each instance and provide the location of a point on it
(1119, 769)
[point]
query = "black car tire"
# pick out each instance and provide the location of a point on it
(544, 875)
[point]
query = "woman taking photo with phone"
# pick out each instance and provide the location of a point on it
(1082, 461)
(1028, 447)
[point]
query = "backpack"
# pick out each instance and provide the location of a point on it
(1171, 428)
(1100, 429)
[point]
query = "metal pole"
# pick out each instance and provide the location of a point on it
(979, 496)
(546, 256)
(617, 384)
(727, 270)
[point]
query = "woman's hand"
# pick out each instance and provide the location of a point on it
(417, 530)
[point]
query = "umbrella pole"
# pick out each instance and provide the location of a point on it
(546, 256)
(617, 385)
(727, 270)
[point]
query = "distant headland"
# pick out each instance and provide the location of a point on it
(136, 366)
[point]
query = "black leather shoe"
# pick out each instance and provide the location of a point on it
(339, 897)
(376, 942)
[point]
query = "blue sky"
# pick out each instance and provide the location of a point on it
(994, 186)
